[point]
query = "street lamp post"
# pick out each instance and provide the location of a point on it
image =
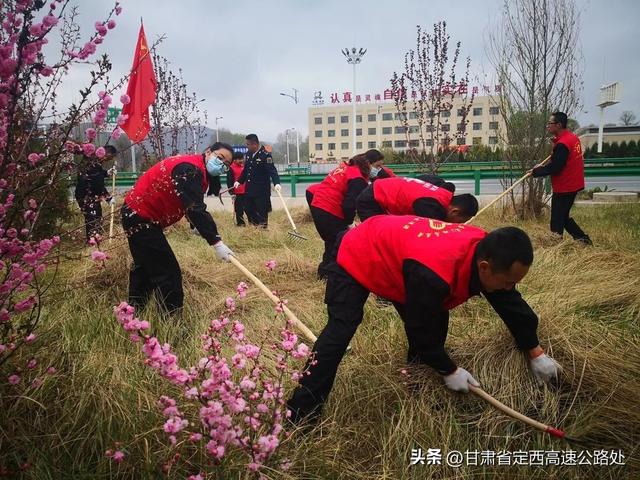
(217, 118)
(354, 57)
(293, 97)
(286, 134)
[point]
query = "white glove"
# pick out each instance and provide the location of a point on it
(236, 184)
(277, 188)
(112, 201)
(544, 368)
(112, 171)
(222, 251)
(459, 381)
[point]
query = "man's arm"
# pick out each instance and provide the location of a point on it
(188, 185)
(558, 161)
(426, 321)
(517, 315)
(230, 180)
(355, 187)
(243, 175)
(429, 208)
(271, 168)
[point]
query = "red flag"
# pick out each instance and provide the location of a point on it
(141, 91)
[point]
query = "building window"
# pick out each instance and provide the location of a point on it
(344, 132)
(371, 131)
(446, 113)
(461, 141)
(371, 117)
(332, 146)
(344, 145)
(358, 118)
(446, 127)
(386, 144)
(359, 145)
(477, 140)
(318, 120)
(413, 115)
(493, 140)
(400, 116)
(414, 143)
(344, 119)
(331, 119)
(371, 145)
(400, 130)
(387, 116)
(331, 133)
(318, 133)
(428, 143)
(431, 128)
(400, 143)
(477, 111)
(386, 130)
(318, 146)
(477, 125)
(461, 127)
(414, 129)
(493, 125)
(494, 110)
(358, 132)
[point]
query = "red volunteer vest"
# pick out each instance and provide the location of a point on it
(237, 171)
(313, 188)
(329, 194)
(397, 194)
(154, 197)
(571, 177)
(373, 253)
(389, 172)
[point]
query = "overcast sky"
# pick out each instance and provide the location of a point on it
(239, 55)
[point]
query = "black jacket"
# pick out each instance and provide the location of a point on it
(90, 185)
(259, 171)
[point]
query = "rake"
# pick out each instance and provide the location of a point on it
(522, 179)
(113, 203)
(301, 326)
(498, 405)
(295, 234)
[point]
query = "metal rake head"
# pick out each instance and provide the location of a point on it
(297, 236)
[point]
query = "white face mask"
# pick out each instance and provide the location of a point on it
(215, 166)
(374, 172)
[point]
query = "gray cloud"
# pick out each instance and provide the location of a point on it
(240, 55)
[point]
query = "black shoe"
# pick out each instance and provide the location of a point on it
(584, 240)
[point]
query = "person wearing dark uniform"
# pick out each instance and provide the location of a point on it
(235, 171)
(566, 169)
(259, 171)
(333, 201)
(380, 172)
(426, 267)
(90, 191)
(171, 189)
(411, 196)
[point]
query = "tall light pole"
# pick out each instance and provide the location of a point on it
(354, 57)
(217, 118)
(286, 135)
(297, 147)
(293, 97)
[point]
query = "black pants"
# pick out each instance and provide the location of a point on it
(366, 205)
(238, 208)
(92, 211)
(328, 227)
(155, 267)
(257, 209)
(561, 204)
(345, 299)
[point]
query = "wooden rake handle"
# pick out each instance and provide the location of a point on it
(301, 326)
(492, 202)
(287, 210)
(514, 414)
(113, 206)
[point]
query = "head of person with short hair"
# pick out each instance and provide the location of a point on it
(110, 153)
(252, 142)
(503, 258)
(238, 158)
(461, 208)
(557, 123)
(217, 157)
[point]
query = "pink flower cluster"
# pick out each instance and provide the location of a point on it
(271, 265)
(241, 399)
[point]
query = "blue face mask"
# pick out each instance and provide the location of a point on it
(374, 172)
(215, 166)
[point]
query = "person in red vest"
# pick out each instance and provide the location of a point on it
(171, 189)
(426, 267)
(380, 172)
(235, 170)
(412, 196)
(333, 201)
(566, 169)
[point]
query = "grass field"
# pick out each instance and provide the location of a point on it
(588, 300)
